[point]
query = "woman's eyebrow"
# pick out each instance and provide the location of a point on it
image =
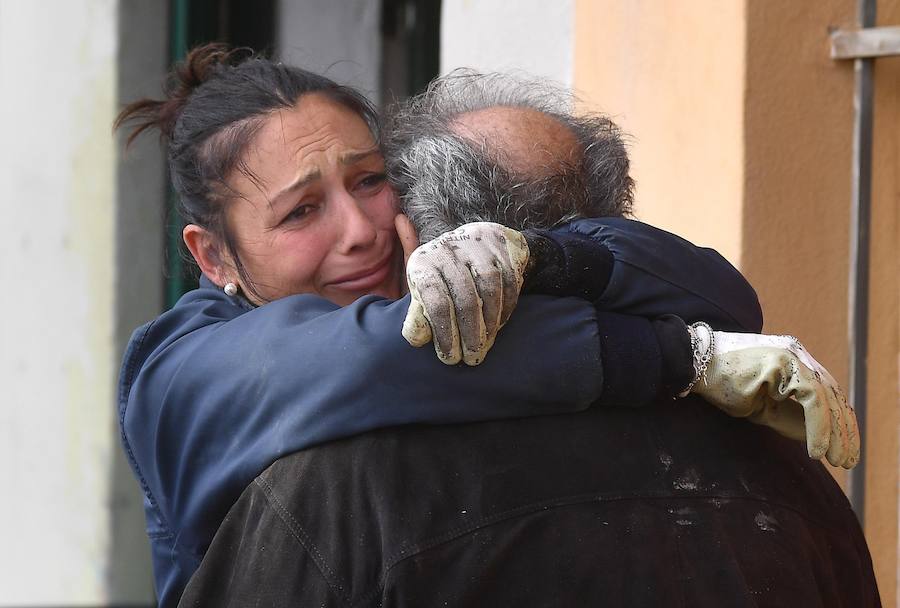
(348, 158)
(299, 182)
(351, 158)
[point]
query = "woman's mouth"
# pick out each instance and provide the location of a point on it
(367, 279)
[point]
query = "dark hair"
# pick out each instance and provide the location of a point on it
(215, 102)
(445, 180)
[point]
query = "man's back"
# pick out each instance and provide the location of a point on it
(672, 505)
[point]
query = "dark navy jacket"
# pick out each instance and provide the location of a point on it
(215, 390)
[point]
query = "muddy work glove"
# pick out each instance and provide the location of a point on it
(774, 381)
(463, 286)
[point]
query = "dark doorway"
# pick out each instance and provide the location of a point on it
(411, 42)
(194, 22)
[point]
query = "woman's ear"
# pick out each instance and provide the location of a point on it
(205, 249)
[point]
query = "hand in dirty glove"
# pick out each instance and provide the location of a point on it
(463, 286)
(774, 381)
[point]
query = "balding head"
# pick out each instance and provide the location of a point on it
(523, 140)
(478, 147)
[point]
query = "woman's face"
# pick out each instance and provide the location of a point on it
(318, 214)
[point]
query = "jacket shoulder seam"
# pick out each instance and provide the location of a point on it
(302, 538)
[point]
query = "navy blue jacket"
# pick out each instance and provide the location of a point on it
(215, 390)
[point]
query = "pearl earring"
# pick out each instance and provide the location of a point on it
(231, 289)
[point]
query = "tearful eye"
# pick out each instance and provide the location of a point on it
(298, 213)
(372, 181)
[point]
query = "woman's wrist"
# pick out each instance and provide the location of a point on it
(703, 342)
(676, 352)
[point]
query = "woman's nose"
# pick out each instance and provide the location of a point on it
(357, 229)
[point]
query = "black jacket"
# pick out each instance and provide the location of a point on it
(672, 505)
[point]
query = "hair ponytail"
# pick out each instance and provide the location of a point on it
(200, 64)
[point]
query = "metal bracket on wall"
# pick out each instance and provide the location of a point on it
(863, 46)
(867, 42)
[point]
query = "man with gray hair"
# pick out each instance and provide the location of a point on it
(474, 138)
(666, 504)
(495, 148)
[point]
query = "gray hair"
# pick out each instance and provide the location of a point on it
(445, 180)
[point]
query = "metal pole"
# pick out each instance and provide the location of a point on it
(860, 217)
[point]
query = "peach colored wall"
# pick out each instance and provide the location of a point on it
(798, 123)
(798, 137)
(671, 74)
(742, 130)
(883, 451)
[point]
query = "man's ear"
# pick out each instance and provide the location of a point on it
(205, 249)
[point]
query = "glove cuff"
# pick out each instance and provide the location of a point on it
(631, 359)
(676, 353)
(566, 264)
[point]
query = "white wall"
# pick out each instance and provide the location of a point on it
(57, 169)
(534, 36)
(58, 347)
(340, 39)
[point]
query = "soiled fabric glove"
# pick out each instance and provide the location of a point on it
(774, 381)
(463, 286)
